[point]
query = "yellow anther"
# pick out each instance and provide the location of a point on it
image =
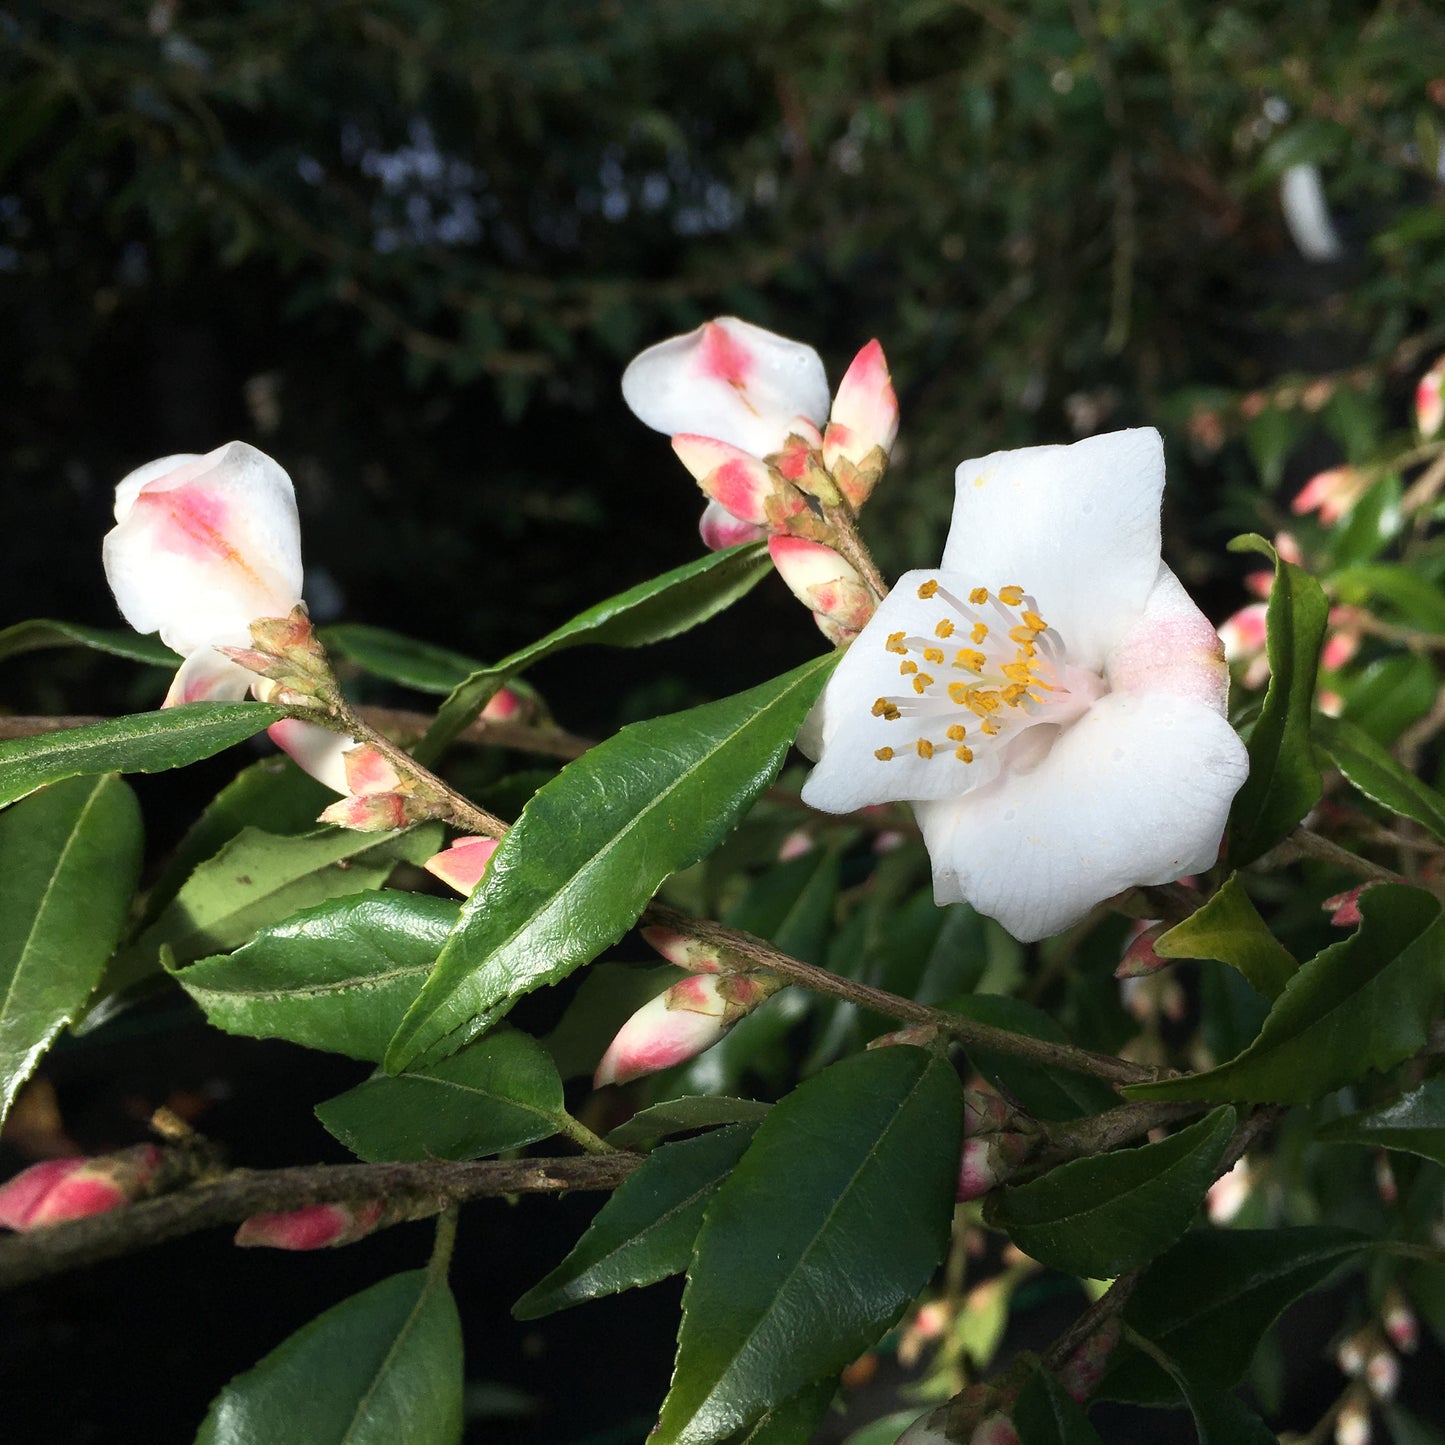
(1022, 635)
(927, 589)
(957, 732)
(882, 754)
(1019, 671)
(904, 668)
(883, 707)
(990, 727)
(933, 654)
(980, 631)
(978, 596)
(922, 683)
(1010, 596)
(967, 658)
(925, 748)
(983, 701)
(896, 643)
(960, 692)
(964, 755)
(1032, 619)
(1013, 692)
(944, 629)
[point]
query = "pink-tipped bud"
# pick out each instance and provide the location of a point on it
(1382, 1373)
(720, 530)
(504, 705)
(376, 813)
(59, 1189)
(1430, 400)
(1228, 1194)
(692, 954)
(1344, 908)
(988, 1161)
(1331, 493)
(1140, 959)
(461, 866)
(1352, 1424)
(318, 1226)
(1386, 1185)
(1243, 636)
(822, 581)
(983, 1113)
(1083, 1370)
(739, 483)
(862, 426)
(681, 1023)
(798, 844)
(1400, 1322)
(368, 772)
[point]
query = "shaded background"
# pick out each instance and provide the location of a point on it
(407, 248)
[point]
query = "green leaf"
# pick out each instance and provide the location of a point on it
(1417, 600)
(1048, 1093)
(44, 632)
(1228, 928)
(795, 1421)
(645, 1231)
(499, 1093)
(339, 976)
(381, 1368)
(649, 612)
(1283, 782)
(1220, 1418)
(887, 1430)
(1364, 1003)
(591, 847)
(1390, 694)
(1413, 1123)
(419, 665)
(1045, 1415)
(147, 742)
(677, 1116)
(860, 1162)
(259, 878)
(1101, 1216)
(69, 860)
(1374, 771)
(1209, 1300)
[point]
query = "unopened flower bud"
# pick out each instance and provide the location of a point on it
(318, 1226)
(720, 530)
(919, 1036)
(1400, 1322)
(1083, 1370)
(1352, 1424)
(862, 425)
(1382, 1373)
(504, 705)
(461, 866)
(744, 485)
(984, 1113)
(1386, 1185)
(1351, 1354)
(1140, 959)
(378, 812)
(693, 954)
(988, 1160)
(681, 1023)
(1331, 493)
(1228, 1193)
(822, 581)
(1430, 400)
(59, 1189)
(1344, 908)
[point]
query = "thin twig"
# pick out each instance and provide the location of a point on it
(1313, 845)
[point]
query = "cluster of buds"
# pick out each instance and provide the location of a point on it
(995, 1144)
(750, 417)
(57, 1190)
(1367, 1356)
(690, 1017)
(328, 1226)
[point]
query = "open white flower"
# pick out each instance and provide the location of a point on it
(1049, 699)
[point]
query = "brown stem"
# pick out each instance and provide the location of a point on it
(1313, 845)
(242, 1193)
(849, 545)
(1109, 1304)
(1102, 1132)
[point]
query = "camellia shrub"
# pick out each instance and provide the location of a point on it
(1209, 1090)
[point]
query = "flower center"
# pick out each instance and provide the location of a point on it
(992, 669)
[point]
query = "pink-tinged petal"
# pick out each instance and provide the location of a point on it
(1261, 584)
(1172, 648)
(1076, 526)
(1331, 493)
(720, 530)
(684, 951)
(315, 750)
(996, 1430)
(1400, 1322)
(804, 565)
(368, 772)
(1135, 792)
(1244, 634)
(22, 1195)
(729, 380)
(739, 483)
(57, 1190)
(208, 676)
(987, 1161)
(1289, 549)
(1430, 401)
(461, 866)
(318, 1226)
(865, 410)
(798, 844)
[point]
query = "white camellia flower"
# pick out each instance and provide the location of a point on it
(1049, 699)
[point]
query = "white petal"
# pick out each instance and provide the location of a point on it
(205, 548)
(849, 775)
(729, 380)
(208, 676)
(1076, 526)
(1136, 791)
(315, 750)
(1172, 647)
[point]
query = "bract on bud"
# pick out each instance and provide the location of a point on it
(988, 1160)
(918, 1036)
(318, 1226)
(681, 1023)
(461, 866)
(1430, 400)
(984, 1113)
(56, 1190)
(690, 953)
(862, 426)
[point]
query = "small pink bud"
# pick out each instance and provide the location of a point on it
(1430, 400)
(1286, 544)
(989, 1160)
(1352, 1424)
(1350, 1355)
(1228, 1193)
(919, 1036)
(983, 1113)
(1344, 908)
(739, 483)
(1382, 1373)
(1331, 493)
(503, 706)
(686, 952)
(1083, 1370)
(822, 581)
(864, 414)
(798, 844)
(1139, 958)
(1385, 1184)
(59, 1189)
(375, 813)
(1400, 1322)
(461, 866)
(1260, 583)
(996, 1430)
(318, 1226)
(720, 529)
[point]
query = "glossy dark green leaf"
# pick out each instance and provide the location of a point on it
(498, 1093)
(338, 977)
(1209, 1300)
(146, 742)
(1220, 1418)
(1364, 1003)
(383, 653)
(590, 849)
(794, 1421)
(645, 1231)
(1100, 1216)
(1228, 928)
(381, 1368)
(1047, 1093)
(1389, 694)
(1284, 781)
(677, 1116)
(651, 611)
(1374, 771)
(1414, 1123)
(258, 879)
(1044, 1414)
(860, 1162)
(45, 632)
(70, 856)
(887, 1430)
